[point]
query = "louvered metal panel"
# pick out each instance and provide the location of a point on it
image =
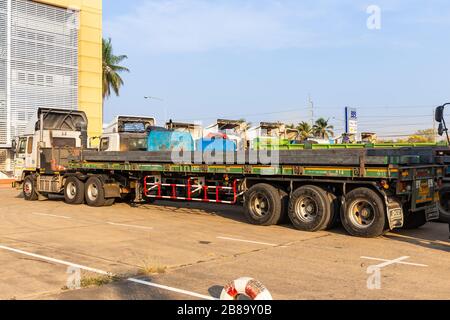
(3, 72)
(43, 63)
(3, 160)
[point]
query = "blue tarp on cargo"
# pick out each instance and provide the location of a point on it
(161, 139)
(214, 144)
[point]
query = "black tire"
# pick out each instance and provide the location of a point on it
(109, 202)
(444, 195)
(74, 191)
(364, 214)
(334, 216)
(284, 217)
(94, 192)
(29, 189)
(414, 220)
(263, 205)
(310, 209)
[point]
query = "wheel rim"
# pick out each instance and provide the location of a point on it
(306, 209)
(92, 192)
(260, 205)
(28, 187)
(445, 201)
(71, 190)
(362, 213)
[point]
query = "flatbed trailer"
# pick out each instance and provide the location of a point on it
(369, 190)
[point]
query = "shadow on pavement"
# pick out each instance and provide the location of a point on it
(433, 236)
(215, 291)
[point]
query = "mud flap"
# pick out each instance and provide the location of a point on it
(432, 212)
(112, 190)
(395, 214)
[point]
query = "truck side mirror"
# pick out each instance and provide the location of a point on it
(441, 129)
(14, 145)
(439, 115)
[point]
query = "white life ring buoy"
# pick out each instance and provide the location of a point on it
(249, 287)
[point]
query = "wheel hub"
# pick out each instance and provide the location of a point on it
(28, 188)
(92, 192)
(260, 205)
(362, 213)
(306, 209)
(71, 190)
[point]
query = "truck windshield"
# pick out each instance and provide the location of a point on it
(133, 127)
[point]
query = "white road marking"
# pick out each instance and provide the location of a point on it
(395, 261)
(185, 292)
(71, 264)
(50, 215)
(129, 226)
(248, 241)
(66, 263)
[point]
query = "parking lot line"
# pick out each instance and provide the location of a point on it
(181, 291)
(66, 263)
(82, 267)
(129, 226)
(395, 261)
(50, 215)
(248, 241)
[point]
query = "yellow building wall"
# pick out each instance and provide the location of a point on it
(89, 59)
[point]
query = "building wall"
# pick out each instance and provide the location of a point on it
(90, 59)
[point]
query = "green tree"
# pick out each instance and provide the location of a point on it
(423, 136)
(323, 129)
(305, 130)
(112, 80)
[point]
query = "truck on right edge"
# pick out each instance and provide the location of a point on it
(443, 156)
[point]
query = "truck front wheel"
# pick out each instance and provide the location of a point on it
(310, 209)
(29, 189)
(364, 214)
(94, 192)
(263, 205)
(73, 191)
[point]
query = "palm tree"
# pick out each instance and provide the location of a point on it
(111, 69)
(305, 130)
(322, 129)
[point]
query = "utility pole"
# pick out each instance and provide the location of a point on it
(311, 105)
(434, 127)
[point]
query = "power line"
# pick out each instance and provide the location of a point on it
(250, 115)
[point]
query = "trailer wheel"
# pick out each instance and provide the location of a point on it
(284, 217)
(263, 205)
(74, 191)
(414, 220)
(310, 209)
(94, 193)
(364, 214)
(29, 189)
(334, 214)
(445, 204)
(109, 202)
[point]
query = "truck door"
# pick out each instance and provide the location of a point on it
(19, 158)
(30, 155)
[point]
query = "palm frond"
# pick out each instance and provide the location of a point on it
(112, 81)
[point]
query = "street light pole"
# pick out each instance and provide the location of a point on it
(164, 107)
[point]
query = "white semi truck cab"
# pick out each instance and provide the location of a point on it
(45, 148)
(126, 133)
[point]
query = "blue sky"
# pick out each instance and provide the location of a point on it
(260, 59)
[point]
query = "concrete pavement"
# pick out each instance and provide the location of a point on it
(199, 248)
